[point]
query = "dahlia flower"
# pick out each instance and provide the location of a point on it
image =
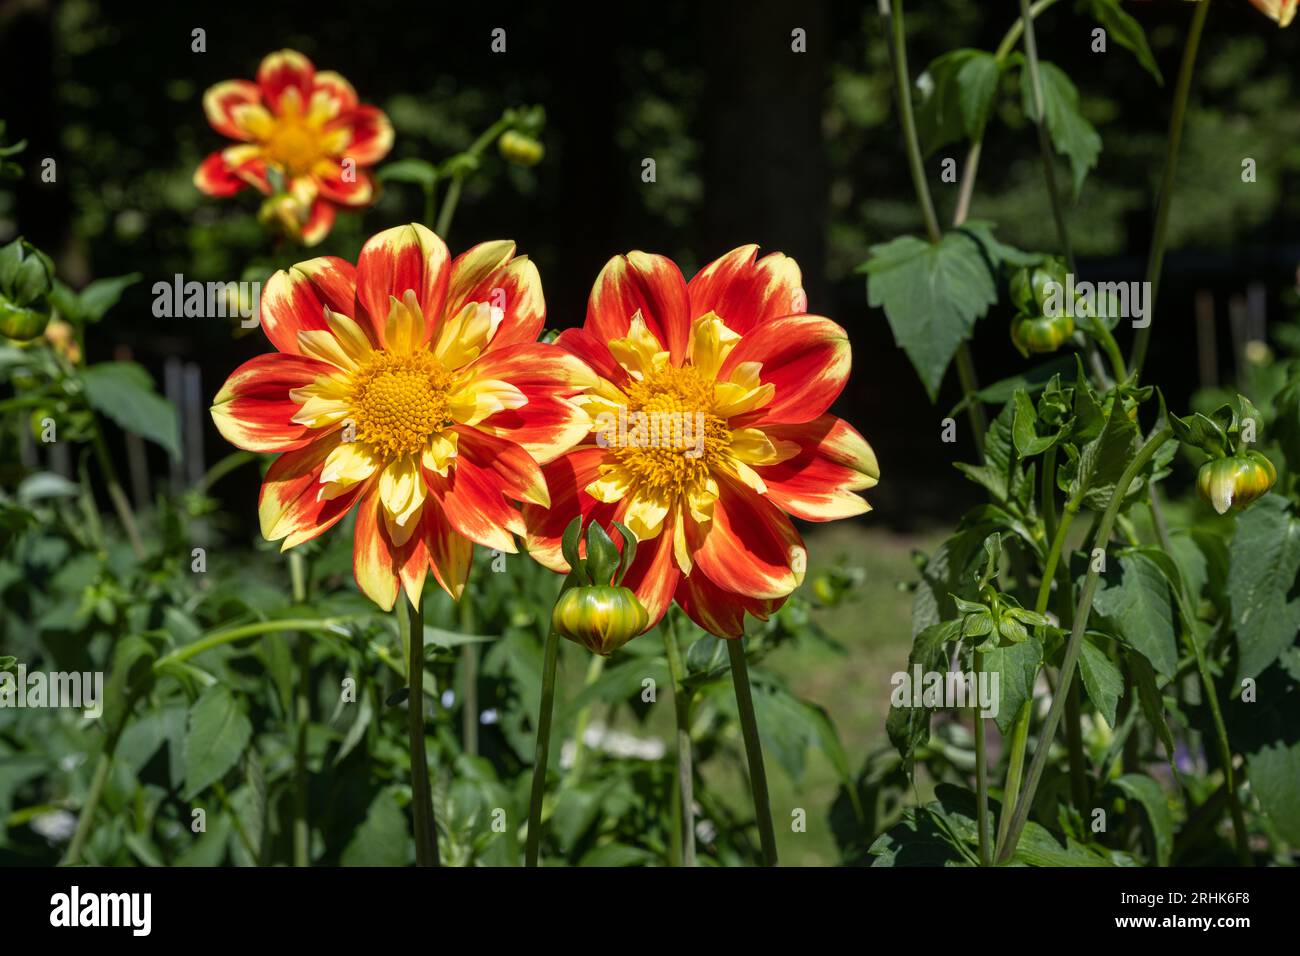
(412, 389)
(303, 139)
(709, 430)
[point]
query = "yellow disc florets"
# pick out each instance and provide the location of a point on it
(398, 401)
(672, 436)
(295, 147)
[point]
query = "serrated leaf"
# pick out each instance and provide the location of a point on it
(1140, 611)
(219, 730)
(1147, 792)
(1101, 679)
(1017, 668)
(1072, 135)
(932, 293)
(1264, 560)
(957, 91)
(1126, 31)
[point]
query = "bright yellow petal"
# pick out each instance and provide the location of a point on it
(645, 515)
(441, 450)
(401, 490)
(742, 392)
(463, 337)
(755, 447)
(480, 398)
(612, 485)
(711, 343)
(346, 465)
(640, 352)
(404, 330)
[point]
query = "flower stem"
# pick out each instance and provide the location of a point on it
(1156, 259)
(682, 714)
(1044, 142)
(330, 625)
(87, 816)
(981, 773)
(533, 842)
(302, 718)
(580, 749)
(120, 502)
(753, 749)
(1073, 648)
(411, 622)
(448, 209)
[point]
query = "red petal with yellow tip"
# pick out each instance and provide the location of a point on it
(289, 507)
(370, 134)
(253, 410)
(653, 576)
(295, 301)
(645, 283)
(373, 562)
(220, 100)
(215, 177)
(746, 291)
(490, 272)
(720, 612)
(750, 546)
(819, 483)
(397, 260)
(282, 71)
(566, 477)
(319, 223)
(806, 357)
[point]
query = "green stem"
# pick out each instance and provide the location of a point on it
(411, 623)
(543, 749)
(222, 468)
(1156, 259)
(969, 386)
(449, 206)
(1074, 646)
(1044, 141)
(893, 15)
(753, 749)
(682, 715)
(302, 719)
(217, 638)
(580, 750)
(468, 681)
(981, 773)
(121, 503)
(87, 816)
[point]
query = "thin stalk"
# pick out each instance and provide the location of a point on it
(543, 749)
(981, 774)
(121, 504)
(1044, 141)
(685, 770)
(217, 638)
(302, 718)
(1073, 648)
(87, 816)
(595, 668)
(1156, 259)
(449, 206)
(1074, 748)
(411, 622)
(753, 749)
(468, 681)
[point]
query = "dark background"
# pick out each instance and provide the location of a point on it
(753, 143)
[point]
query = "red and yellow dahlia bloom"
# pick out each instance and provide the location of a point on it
(305, 128)
(412, 388)
(709, 430)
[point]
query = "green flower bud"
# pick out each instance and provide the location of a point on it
(1040, 333)
(21, 324)
(1232, 483)
(1030, 287)
(519, 148)
(602, 618)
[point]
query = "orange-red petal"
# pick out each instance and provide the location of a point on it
(282, 71)
(370, 134)
(566, 477)
(215, 177)
(806, 357)
(290, 507)
(746, 291)
(490, 272)
(221, 99)
(718, 611)
(397, 260)
(294, 301)
(645, 283)
(253, 410)
(750, 546)
(818, 484)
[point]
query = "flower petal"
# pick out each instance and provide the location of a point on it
(320, 220)
(220, 101)
(295, 300)
(373, 563)
(331, 178)
(290, 505)
(510, 285)
(645, 283)
(566, 477)
(818, 483)
(215, 177)
(332, 95)
(369, 134)
(750, 546)
(254, 410)
(653, 576)
(398, 260)
(807, 359)
(718, 611)
(281, 72)
(747, 293)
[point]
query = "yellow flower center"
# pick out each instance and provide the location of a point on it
(294, 146)
(399, 401)
(672, 436)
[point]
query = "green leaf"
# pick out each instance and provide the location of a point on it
(1152, 704)
(125, 393)
(1101, 679)
(1102, 461)
(932, 293)
(909, 727)
(1264, 560)
(1025, 431)
(1140, 612)
(957, 92)
(101, 295)
(383, 839)
(1124, 30)
(1072, 135)
(46, 484)
(417, 171)
(218, 733)
(1147, 792)
(1032, 380)
(1016, 667)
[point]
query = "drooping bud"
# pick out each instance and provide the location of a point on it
(602, 618)
(520, 148)
(1041, 333)
(1232, 483)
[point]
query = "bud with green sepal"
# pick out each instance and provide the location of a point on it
(594, 609)
(1233, 474)
(26, 276)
